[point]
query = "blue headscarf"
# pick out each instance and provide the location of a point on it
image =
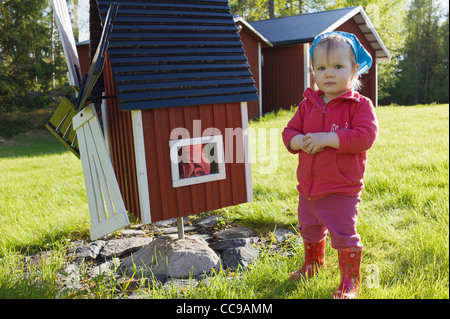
(363, 58)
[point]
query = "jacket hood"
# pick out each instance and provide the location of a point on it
(315, 96)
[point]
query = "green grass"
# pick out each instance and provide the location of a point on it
(43, 197)
(403, 218)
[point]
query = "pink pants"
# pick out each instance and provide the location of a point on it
(336, 214)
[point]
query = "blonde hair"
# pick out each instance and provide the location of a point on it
(331, 41)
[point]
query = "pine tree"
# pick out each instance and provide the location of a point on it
(423, 56)
(25, 53)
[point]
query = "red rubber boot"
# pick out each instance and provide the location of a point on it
(350, 267)
(314, 259)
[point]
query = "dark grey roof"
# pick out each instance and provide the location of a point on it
(169, 53)
(300, 28)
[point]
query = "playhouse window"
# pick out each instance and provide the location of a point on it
(197, 160)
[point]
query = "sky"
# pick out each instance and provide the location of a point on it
(83, 20)
(83, 17)
(444, 4)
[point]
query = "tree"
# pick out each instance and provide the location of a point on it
(439, 86)
(252, 10)
(423, 67)
(388, 18)
(271, 9)
(25, 53)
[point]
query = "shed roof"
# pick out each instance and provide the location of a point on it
(168, 53)
(259, 36)
(304, 28)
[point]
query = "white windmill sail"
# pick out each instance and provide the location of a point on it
(64, 24)
(106, 207)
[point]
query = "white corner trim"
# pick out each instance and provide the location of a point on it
(246, 144)
(306, 61)
(141, 166)
(260, 92)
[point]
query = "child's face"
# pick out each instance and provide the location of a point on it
(333, 72)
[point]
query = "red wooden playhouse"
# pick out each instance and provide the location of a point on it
(175, 86)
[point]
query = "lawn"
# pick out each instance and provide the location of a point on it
(403, 218)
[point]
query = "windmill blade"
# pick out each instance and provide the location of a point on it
(64, 24)
(60, 124)
(99, 58)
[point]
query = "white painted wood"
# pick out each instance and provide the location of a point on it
(64, 24)
(246, 144)
(254, 31)
(219, 159)
(260, 92)
(376, 84)
(106, 207)
(354, 14)
(141, 167)
(306, 68)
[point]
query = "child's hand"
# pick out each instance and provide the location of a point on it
(316, 142)
(297, 142)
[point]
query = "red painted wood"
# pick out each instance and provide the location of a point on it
(168, 202)
(283, 77)
(250, 45)
(121, 145)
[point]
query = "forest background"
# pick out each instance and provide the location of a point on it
(416, 33)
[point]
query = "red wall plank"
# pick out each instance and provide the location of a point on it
(121, 145)
(282, 77)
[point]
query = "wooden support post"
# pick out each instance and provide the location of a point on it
(180, 225)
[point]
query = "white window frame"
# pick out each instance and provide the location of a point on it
(218, 158)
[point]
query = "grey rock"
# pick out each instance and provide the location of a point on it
(166, 223)
(234, 232)
(282, 234)
(106, 268)
(240, 257)
(89, 251)
(206, 237)
(210, 221)
(119, 247)
(177, 258)
(133, 232)
(137, 226)
(174, 230)
(233, 243)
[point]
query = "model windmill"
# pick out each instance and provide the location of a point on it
(77, 127)
(177, 81)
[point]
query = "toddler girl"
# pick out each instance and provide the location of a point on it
(331, 131)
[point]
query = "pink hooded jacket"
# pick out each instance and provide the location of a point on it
(333, 171)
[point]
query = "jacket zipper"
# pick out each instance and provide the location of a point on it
(313, 163)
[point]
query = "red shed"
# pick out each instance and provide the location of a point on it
(285, 71)
(253, 42)
(176, 82)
